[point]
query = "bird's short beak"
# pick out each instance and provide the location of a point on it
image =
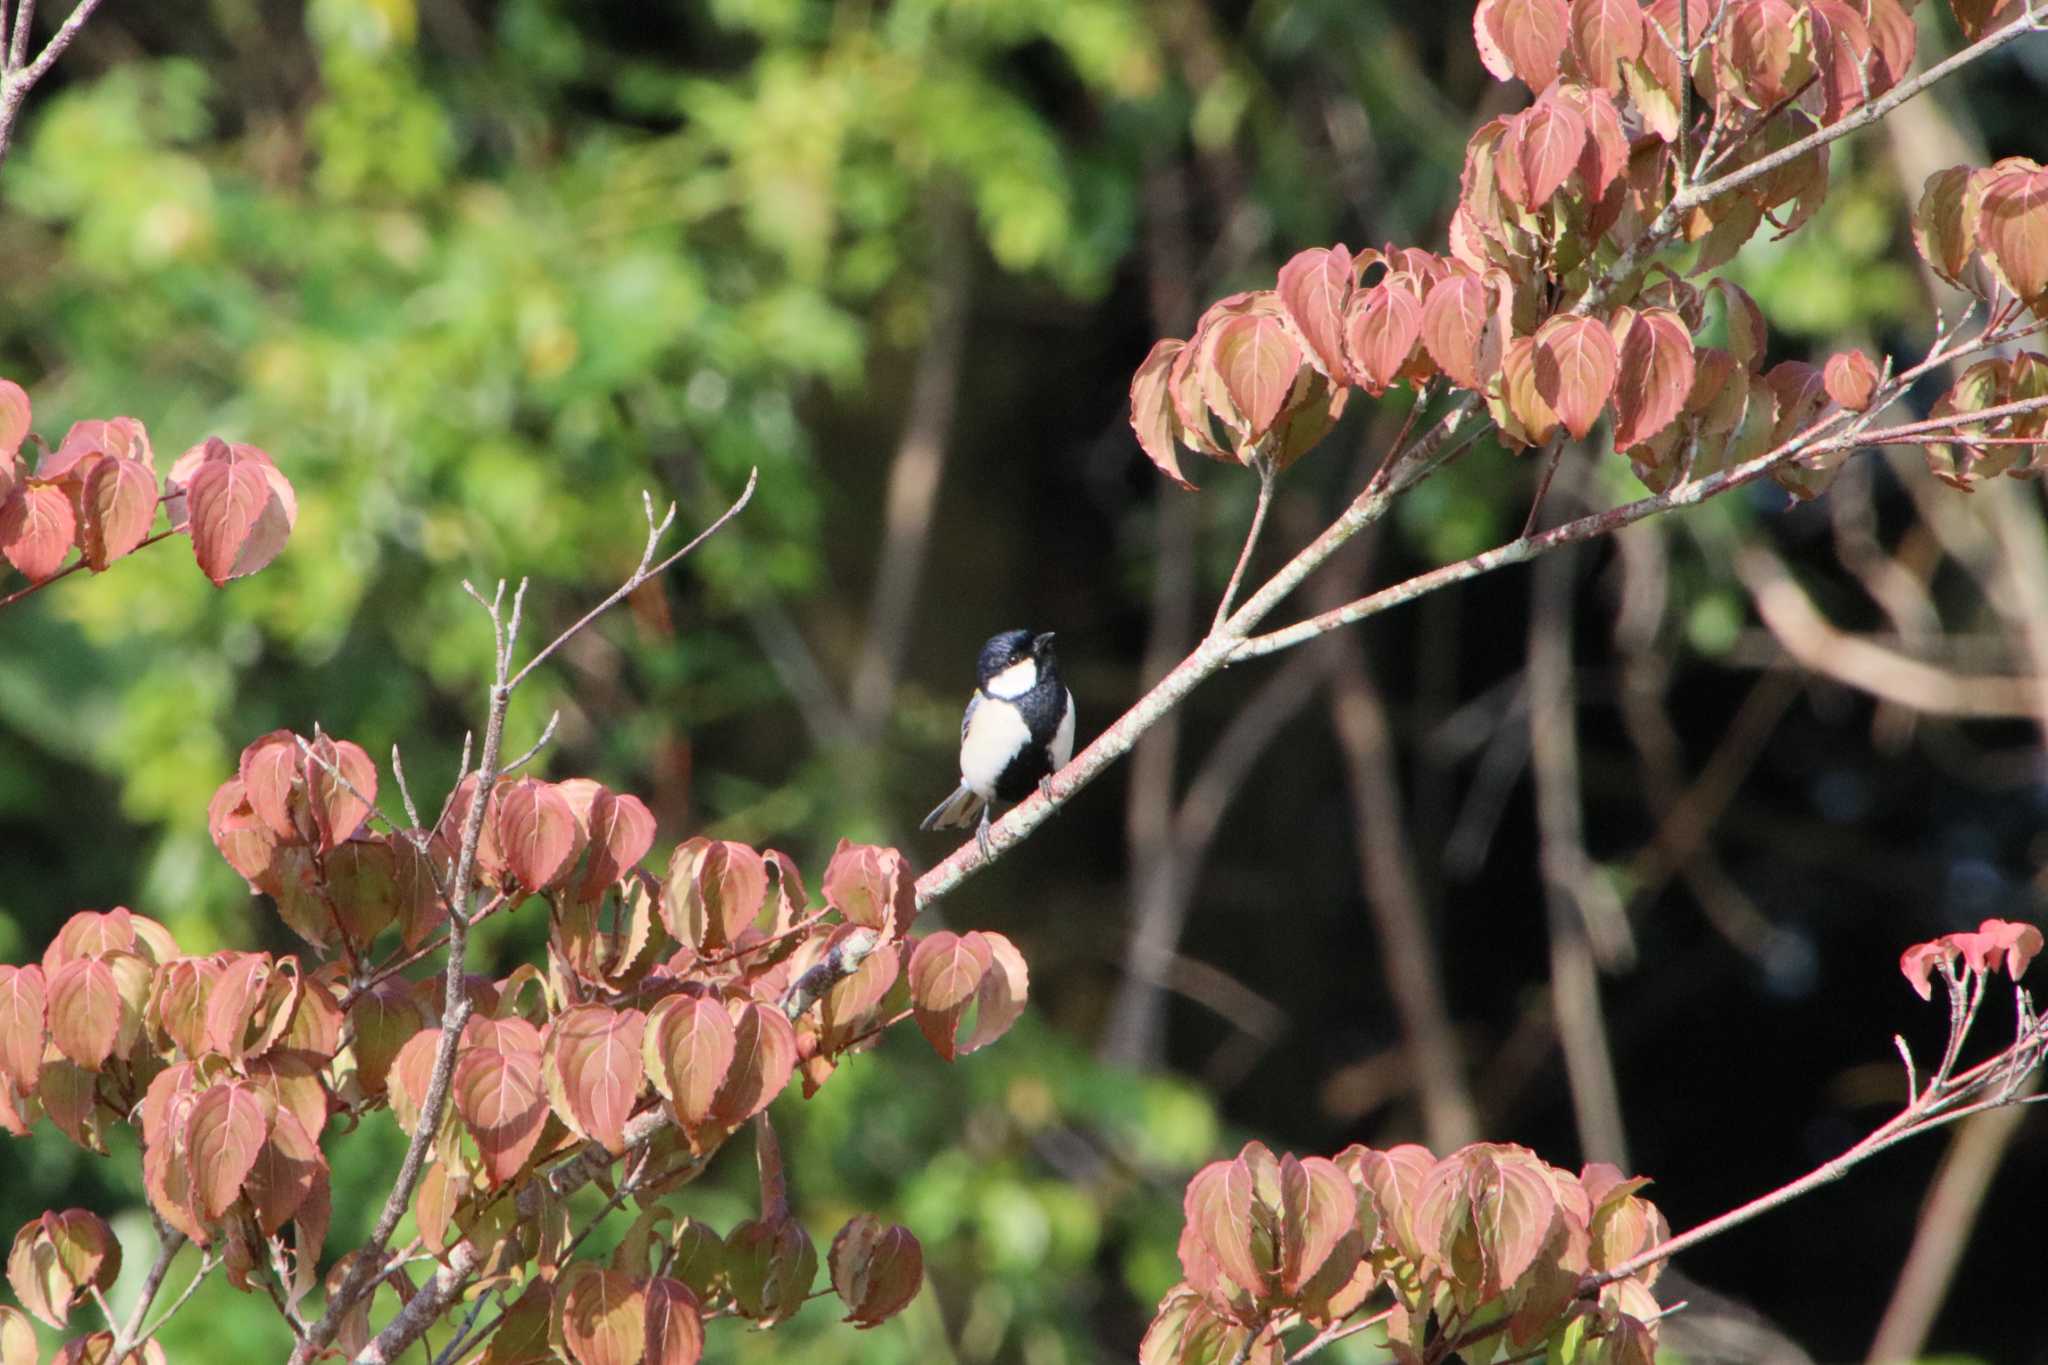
(1038, 645)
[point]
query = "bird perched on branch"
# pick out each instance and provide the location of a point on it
(1018, 730)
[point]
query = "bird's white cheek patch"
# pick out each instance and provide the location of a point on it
(1014, 681)
(995, 735)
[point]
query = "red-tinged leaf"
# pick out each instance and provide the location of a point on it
(1529, 35)
(23, 1025)
(15, 421)
(134, 980)
(714, 890)
(1763, 56)
(222, 1138)
(412, 1071)
(95, 439)
(1454, 317)
(1218, 1208)
(421, 911)
(267, 533)
(181, 998)
(688, 1048)
(1605, 158)
(1257, 361)
(235, 1002)
(1548, 139)
(84, 1011)
(764, 1057)
(945, 971)
(118, 505)
(18, 1110)
(2012, 228)
(536, 831)
(433, 1206)
(999, 1000)
(1527, 417)
(1748, 337)
(1849, 73)
(498, 1093)
(272, 773)
(1153, 420)
(90, 933)
(69, 1094)
(341, 786)
(1604, 34)
(595, 1052)
(1974, 17)
(1575, 367)
(38, 1276)
(36, 529)
(17, 1334)
(675, 1326)
(1184, 381)
(619, 829)
(1896, 35)
(243, 840)
(604, 1318)
(872, 886)
(362, 888)
(1944, 235)
(225, 501)
(848, 1010)
(876, 1268)
(1962, 463)
(382, 1020)
(1314, 288)
(1380, 333)
(769, 1266)
(288, 1083)
(1654, 377)
(1851, 379)
(282, 1178)
(1321, 1207)
(1514, 1208)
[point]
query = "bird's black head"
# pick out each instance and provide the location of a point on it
(1009, 649)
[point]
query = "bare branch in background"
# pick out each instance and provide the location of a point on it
(1954, 1202)
(1586, 919)
(1859, 662)
(914, 476)
(1393, 896)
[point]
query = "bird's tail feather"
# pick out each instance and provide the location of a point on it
(962, 808)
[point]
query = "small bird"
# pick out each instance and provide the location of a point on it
(1018, 730)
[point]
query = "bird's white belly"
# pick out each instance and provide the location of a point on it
(1063, 738)
(995, 735)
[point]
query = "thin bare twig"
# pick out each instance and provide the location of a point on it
(1251, 541)
(73, 567)
(20, 74)
(1585, 916)
(643, 573)
(129, 1335)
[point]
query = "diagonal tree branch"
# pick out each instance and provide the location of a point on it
(18, 75)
